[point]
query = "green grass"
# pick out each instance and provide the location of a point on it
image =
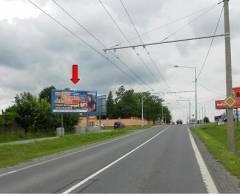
(14, 154)
(17, 136)
(215, 138)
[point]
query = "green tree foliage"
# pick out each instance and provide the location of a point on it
(110, 105)
(34, 113)
(206, 120)
(46, 93)
(8, 117)
(26, 109)
(128, 104)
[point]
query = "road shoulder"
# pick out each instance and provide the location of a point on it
(65, 153)
(225, 182)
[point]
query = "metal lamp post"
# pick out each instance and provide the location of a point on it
(189, 108)
(195, 82)
(142, 106)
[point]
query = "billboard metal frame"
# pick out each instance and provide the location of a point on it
(79, 113)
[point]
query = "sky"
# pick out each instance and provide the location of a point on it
(36, 52)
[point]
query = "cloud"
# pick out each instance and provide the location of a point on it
(35, 52)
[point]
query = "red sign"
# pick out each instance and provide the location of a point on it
(236, 95)
(220, 104)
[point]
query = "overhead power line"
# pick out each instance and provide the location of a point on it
(211, 44)
(140, 38)
(99, 41)
(126, 38)
(163, 42)
(189, 22)
(80, 39)
(201, 11)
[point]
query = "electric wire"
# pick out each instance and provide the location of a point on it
(211, 44)
(125, 37)
(140, 38)
(189, 22)
(80, 39)
(98, 40)
(172, 22)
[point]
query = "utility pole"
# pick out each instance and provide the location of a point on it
(230, 122)
(189, 110)
(237, 115)
(100, 115)
(196, 114)
(162, 115)
(195, 84)
(142, 113)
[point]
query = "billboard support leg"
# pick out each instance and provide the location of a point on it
(62, 120)
(87, 124)
(237, 116)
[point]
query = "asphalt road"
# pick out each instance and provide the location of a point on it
(156, 160)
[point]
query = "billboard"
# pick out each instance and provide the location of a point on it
(236, 95)
(102, 105)
(73, 101)
(220, 104)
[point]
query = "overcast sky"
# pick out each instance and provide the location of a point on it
(35, 52)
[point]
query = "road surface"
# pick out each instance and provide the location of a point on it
(156, 160)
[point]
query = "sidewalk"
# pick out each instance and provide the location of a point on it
(27, 141)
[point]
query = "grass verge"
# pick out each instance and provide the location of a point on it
(18, 136)
(14, 154)
(215, 138)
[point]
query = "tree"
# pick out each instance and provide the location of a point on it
(9, 116)
(110, 105)
(46, 93)
(206, 120)
(127, 104)
(26, 109)
(120, 92)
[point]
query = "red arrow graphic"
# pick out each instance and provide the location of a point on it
(75, 78)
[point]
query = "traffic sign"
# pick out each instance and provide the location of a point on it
(230, 101)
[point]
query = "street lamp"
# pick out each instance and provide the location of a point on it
(164, 115)
(189, 108)
(195, 82)
(142, 105)
(160, 92)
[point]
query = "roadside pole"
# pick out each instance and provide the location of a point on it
(189, 110)
(162, 114)
(100, 115)
(196, 114)
(142, 113)
(237, 116)
(87, 123)
(230, 122)
(62, 120)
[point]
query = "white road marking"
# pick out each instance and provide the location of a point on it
(111, 164)
(207, 178)
(66, 155)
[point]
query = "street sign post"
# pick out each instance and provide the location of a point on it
(230, 101)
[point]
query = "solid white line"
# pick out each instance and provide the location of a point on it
(111, 164)
(207, 178)
(68, 154)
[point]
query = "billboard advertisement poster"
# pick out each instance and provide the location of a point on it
(73, 101)
(236, 95)
(220, 104)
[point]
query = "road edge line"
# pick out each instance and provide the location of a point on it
(74, 187)
(70, 153)
(206, 176)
